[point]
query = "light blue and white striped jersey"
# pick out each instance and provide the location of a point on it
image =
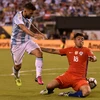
(18, 35)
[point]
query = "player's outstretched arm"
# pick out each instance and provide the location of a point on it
(27, 31)
(49, 50)
(36, 30)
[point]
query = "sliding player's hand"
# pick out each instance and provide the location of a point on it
(43, 36)
(39, 36)
(92, 58)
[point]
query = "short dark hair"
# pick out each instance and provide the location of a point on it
(29, 6)
(78, 34)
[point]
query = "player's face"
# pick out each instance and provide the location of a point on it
(28, 13)
(79, 41)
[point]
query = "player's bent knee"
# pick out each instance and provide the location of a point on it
(39, 54)
(18, 67)
(86, 92)
(49, 86)
(53, 84)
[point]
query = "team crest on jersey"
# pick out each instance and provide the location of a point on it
(76, 52)
(81, 53)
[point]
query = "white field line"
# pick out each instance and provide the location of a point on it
(43, 70)
(21, 72)
(55, 69)
(26, 71)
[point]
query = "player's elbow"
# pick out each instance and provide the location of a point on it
(24, 29)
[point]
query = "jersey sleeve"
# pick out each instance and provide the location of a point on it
(89, 52)
(63, 51)
(18, 19)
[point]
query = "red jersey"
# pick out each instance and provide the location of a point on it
(78, 60)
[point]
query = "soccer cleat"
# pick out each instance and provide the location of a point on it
(65, 93)
(17, 75)
(39, 80)
(18, 81)
(44, 92)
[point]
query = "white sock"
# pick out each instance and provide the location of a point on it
(38, 64)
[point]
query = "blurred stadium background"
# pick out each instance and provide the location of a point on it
(59, 20)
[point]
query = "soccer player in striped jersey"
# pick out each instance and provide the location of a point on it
(75, 77)
(21, 42)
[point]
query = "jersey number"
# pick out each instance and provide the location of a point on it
(75, 58)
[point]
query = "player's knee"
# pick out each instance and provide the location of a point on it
(18, 67)
(53, 84)
(86, 92)
(39, 54)
(49, 86)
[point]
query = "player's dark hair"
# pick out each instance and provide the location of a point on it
(78, 34)
(29, 6)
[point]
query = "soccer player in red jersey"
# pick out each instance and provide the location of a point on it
(75, 77)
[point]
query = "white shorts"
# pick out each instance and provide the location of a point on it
(19, 50)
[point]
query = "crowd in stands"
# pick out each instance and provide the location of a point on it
(47, 8)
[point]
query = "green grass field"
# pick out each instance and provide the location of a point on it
(54, 65)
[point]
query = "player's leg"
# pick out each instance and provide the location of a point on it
(86, 90)
(34, 49)
(82, 89)
(61, 82)
(17, 55)
(38, 64)
(83, 92)
(50, 87)
(16, 73)
(16, 69)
